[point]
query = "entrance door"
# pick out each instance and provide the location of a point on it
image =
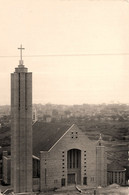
(73, 166)
(71, 178)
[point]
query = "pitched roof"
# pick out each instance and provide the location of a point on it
(115, 166)
(45, 135)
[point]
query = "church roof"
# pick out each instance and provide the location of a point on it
(115, 166)
(45, 135)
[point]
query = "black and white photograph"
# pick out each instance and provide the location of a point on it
(64, 97)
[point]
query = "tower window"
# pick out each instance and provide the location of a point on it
(45, 176)
(19, 90)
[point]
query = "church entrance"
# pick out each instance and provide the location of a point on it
(74, 166)
(71, 178)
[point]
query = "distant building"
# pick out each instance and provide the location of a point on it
(47, 118)
(34, 115)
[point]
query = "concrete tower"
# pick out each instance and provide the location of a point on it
(101, 164)
(21, 128)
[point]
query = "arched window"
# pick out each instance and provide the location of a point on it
(73, 159)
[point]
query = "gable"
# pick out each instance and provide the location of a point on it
(74, 136)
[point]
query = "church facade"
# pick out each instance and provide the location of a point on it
(68, 157)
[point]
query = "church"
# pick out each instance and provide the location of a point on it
(48, 155)
(68, 157)
(63, 156)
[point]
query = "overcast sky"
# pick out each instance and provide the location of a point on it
(57, 36)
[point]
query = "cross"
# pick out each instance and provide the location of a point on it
(21, 48)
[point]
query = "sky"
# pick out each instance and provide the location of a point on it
(77, 50)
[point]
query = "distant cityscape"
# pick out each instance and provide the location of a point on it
(53, 112)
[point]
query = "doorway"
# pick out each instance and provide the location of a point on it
(74, 166)
(71, 178)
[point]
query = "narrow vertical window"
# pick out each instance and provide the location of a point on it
(45, 176)
(73, 159)
(63, 182)
(19, 90)
(26, 91)
(84, 180)
(70, 154)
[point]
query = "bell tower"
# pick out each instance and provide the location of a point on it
(101, 163)
(21, 128)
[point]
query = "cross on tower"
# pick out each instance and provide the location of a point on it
(21, 61)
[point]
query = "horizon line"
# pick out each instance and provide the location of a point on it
(103, 103)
